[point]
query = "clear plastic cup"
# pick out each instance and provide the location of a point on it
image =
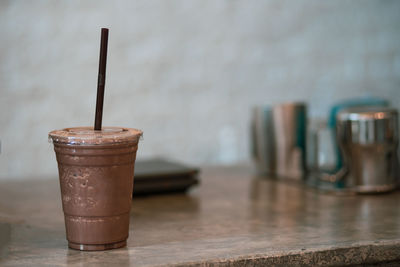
(96, 170)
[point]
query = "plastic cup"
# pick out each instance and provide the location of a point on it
(96, 170)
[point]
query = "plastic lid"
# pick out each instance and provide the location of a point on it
(88, 136)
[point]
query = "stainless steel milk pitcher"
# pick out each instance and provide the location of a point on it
(368, 140)
(279, 139)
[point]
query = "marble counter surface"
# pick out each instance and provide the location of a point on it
(232, 219)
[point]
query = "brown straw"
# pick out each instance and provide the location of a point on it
(101, 79)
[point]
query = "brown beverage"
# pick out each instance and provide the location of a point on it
(96, 178)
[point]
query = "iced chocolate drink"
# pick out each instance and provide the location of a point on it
(96, 178)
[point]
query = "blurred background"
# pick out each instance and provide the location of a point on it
(187, 73)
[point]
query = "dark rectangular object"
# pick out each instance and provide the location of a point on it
(156, 176)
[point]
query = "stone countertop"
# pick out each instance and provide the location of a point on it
(233, 218)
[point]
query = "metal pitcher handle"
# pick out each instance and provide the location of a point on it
(336, 177)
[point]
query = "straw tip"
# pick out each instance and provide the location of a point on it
(104, 29)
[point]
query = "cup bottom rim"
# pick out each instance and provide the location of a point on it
(96, 247)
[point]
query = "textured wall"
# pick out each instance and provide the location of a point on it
(185, 72)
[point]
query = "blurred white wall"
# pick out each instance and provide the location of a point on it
(185, 72)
